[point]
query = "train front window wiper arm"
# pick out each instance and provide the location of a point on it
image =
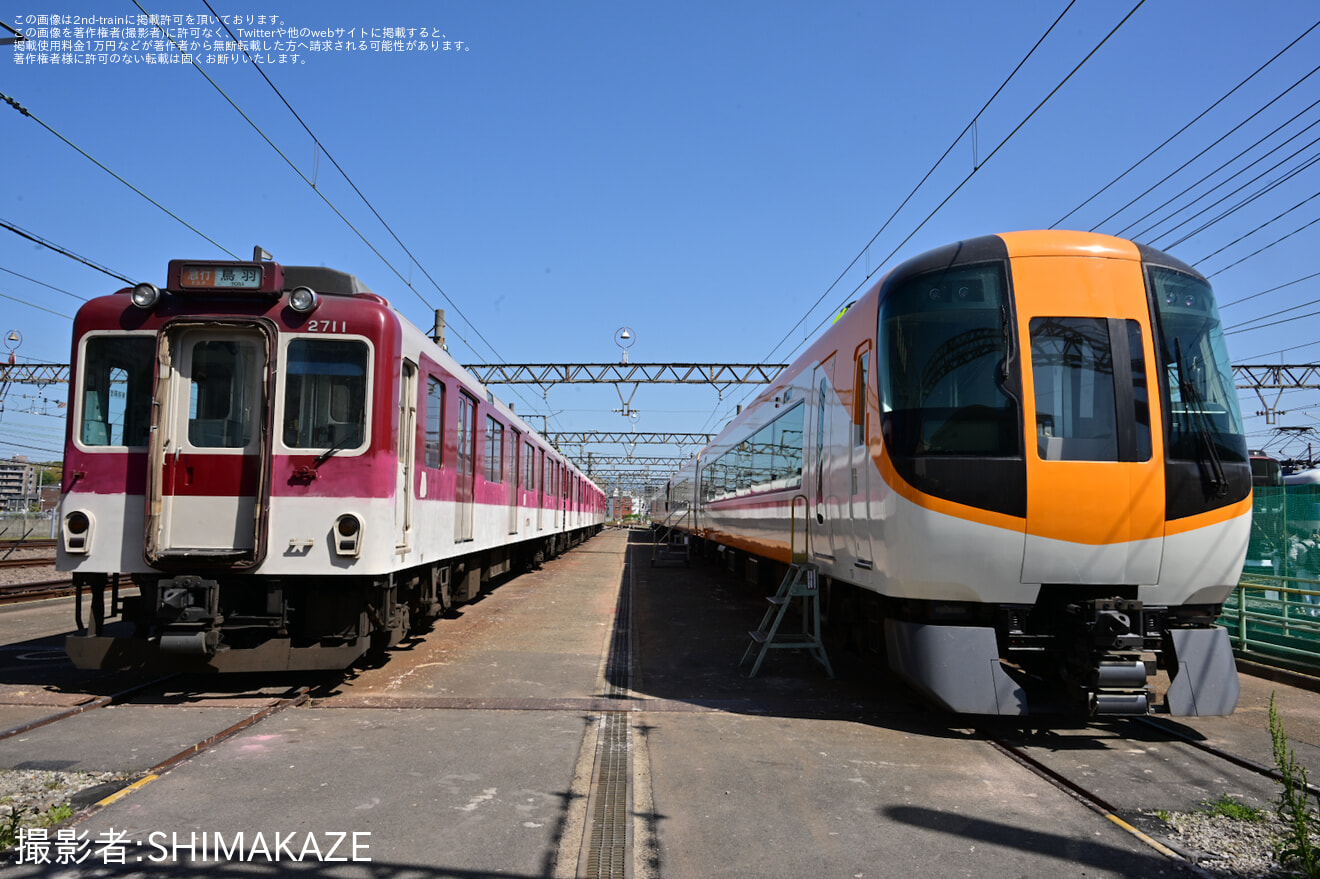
(1192, 400)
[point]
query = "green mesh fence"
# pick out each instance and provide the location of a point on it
(1274, 614)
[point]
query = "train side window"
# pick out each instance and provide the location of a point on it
(529, 468)
(325, 394)
(494, 450)
(116, 384)
(435, 421)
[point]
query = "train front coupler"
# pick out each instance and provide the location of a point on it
(187, 614)
(1115, 658)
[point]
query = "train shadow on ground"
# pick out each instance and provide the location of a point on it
(691, 629)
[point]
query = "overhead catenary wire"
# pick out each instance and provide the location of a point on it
(1273, 243)
(1180, 131)
(971, 126)
(977, 167)
(294, 166)
(997, 148)
(1270, 290)
(408, 283)
(321, 146)
(1144, 234)
(34, 305)
(1288, 175)
(44, 284)
(1207, 149)
(30, 115)
(37, 239)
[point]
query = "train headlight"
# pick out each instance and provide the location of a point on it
(348, 535)
(78, 532)
(145, 296)
(304, 300)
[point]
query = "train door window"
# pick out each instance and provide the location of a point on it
(222, 393)
(435, 420)
(529, 468)
(859, 398)
(115, 378)
(1140, 391)
(494, 450)
(406, 452)
(1073, 367)
(465, 464)
(515, 448)
(325, 394)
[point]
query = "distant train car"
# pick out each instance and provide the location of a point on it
(1018, 464)
(1266, 471)
(289, 471)
(1303, 494)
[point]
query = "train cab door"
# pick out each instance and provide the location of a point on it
(1095, 490)
(209, 448)
(403, 489)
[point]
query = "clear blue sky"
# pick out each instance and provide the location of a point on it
(701, 172)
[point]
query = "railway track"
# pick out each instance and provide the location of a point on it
(8, 546)
(13, 593)
(27, 563)
(1144, 768)
(139, 698)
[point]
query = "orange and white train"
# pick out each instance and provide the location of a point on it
(1019, 466)
(290, 472)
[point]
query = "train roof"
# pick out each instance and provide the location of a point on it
(324, 280)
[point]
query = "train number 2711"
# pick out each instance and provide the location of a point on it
(327, 326)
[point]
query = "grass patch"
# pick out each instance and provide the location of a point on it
(1229, 807)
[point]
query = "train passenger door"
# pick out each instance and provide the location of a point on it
(1093, 480)
(540, 490)
(860, 470)
(209, 448)
(514, 474)
(403, 489)
(465, 466)
(825, 503)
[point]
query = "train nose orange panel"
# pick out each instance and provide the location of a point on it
(1095, 478)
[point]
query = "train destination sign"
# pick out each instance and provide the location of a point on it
(248, 277)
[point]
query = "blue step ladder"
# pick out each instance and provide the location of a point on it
(801, 582)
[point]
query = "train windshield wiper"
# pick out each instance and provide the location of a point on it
(1192, 401)
(334, 447)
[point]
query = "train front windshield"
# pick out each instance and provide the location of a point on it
(944, 347)
(1199, 378)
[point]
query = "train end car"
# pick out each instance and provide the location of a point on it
(1018, 464)
(288, 472)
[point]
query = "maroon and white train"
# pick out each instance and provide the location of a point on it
(289, 471)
